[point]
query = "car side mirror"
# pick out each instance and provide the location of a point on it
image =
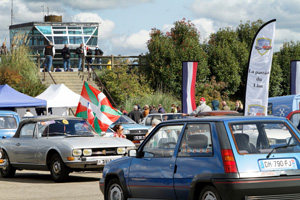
(132, 153)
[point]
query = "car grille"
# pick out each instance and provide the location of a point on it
(138, 132)
(104, 151)
(275, 197)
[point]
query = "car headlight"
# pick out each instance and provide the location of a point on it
(77, 152)
(129, 148)
(126, 131)
(121, 150)
(87, 152)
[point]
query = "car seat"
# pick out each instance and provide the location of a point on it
(242, 141)
(197, 141)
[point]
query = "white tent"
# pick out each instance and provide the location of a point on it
(60, 96)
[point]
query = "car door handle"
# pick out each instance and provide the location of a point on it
(18, 144)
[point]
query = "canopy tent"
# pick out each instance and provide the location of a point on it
(60, 96)
(11, 98)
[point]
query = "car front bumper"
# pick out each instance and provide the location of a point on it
(281, 188)
(93, 162)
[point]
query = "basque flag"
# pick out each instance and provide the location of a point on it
(189, 72)
(295, 77)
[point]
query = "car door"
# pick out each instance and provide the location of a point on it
(196, 159)
(24, 148)
(151, 174)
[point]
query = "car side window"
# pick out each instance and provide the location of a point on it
(148, 121)
(162, 143)
(196, 141)
(27, 131)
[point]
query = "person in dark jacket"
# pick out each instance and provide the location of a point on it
(136, 115)
(215, 105)
(80, 51)
(98, 52)
(161, 109)
(66, 56)
(49, 52)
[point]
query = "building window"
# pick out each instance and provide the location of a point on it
(60, 39)
(46, 30)
(75, 32)
(58, 27)
(75, 39)
(50, 38)
(73, 27)
(92, 41)
(59, 32)
(88, 30)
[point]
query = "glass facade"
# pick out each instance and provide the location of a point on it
(39, 34)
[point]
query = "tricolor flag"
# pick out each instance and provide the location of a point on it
(189, 72)
(295, 77)
(102, 113)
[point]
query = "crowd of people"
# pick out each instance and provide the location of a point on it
(49, 52)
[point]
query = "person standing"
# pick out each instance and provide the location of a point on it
(215, 105)
(49, 52)
(146, 111)
(66, 56)
(161, 109)
(89, 60)
(239, 106)
(173, 108)
(202, 108)
(225, 107)
(3, 49)
(135, 114)
(118, 131)
(80, 52)
(98, 52)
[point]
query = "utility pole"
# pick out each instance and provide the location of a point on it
(12, 12)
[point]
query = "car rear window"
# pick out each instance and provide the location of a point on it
(264, 137)
(8, 122)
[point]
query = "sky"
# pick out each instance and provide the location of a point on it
(125, 24)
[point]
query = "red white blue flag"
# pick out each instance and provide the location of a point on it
(189, 72)
(295, 77)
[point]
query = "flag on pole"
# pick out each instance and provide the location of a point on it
(259, 69)
(189, 72)
(90, 114)
(96, 108)
(295, 77)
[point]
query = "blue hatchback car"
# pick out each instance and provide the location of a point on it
(9, 122)
(210, 158)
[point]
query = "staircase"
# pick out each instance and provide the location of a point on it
(73, 80)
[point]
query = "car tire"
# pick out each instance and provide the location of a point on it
(115, 191)
(58, 169)
(209, 193)
(9, 171)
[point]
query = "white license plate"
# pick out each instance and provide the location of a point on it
(277, 164)
(138, 137)
(103, 162)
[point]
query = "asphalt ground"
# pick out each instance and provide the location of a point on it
(39, 185)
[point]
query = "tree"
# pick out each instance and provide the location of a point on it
(168, 51)
(123, 84)
(227, 58)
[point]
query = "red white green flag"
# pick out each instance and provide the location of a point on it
(93, 100)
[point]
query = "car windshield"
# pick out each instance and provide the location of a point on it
(263, 137)
(8, 122)
(65, 127)
(124, 120)
(171, 116)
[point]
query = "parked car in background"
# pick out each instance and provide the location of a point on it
(147, 121)
(294, 117)
(228, 158)
(61, 145)
(133, 131)
(9, 122)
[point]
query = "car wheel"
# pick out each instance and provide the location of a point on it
(115, 190)
(59, 170)
(8, 171)
(209, 193)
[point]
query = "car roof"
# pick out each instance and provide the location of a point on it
(225, 119)
(47, 118)
(7, 112)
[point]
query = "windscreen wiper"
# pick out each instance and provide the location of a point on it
(279, 147)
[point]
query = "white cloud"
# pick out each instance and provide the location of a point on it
(106, 27)
(205, 26)
(132, 44)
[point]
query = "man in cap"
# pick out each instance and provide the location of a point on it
(202, 108)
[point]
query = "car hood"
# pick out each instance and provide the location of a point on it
(96, 142)
(132, 126)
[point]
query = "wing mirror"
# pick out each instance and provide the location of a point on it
(132, 153)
